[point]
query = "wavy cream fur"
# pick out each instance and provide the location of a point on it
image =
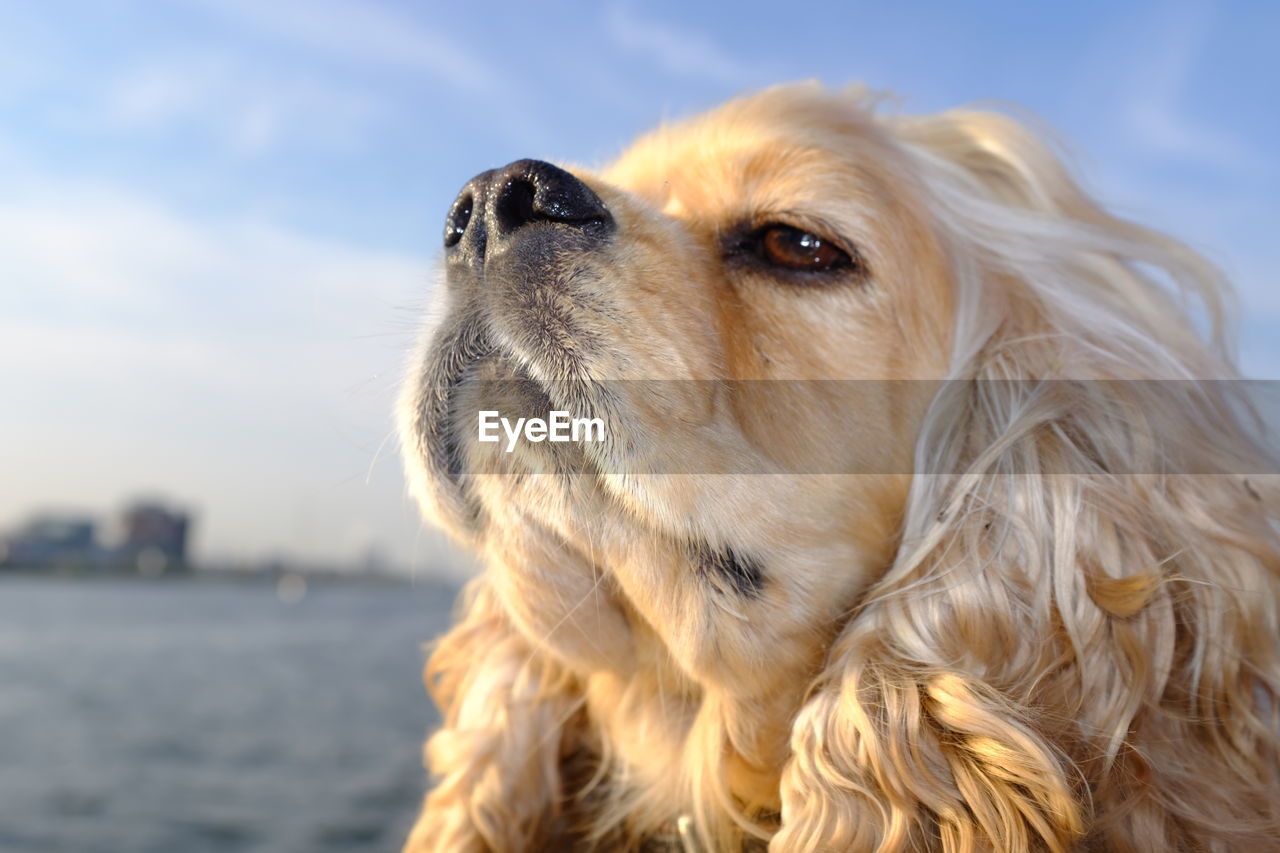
(1020, 646)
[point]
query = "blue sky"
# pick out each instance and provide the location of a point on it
(218, 218)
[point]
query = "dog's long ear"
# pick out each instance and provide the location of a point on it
(1076, 644)
(497, 755)
(1029, 246)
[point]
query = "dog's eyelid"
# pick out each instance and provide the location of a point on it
(752, 227)
(756, 241)
(801, 221)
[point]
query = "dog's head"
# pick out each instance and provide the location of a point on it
(801, 326)
(690, 296)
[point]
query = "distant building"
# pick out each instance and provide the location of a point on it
(148, 538)
(155, 538)
(51, 541)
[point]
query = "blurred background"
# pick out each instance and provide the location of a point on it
(218, 220)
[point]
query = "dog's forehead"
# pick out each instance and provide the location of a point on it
(755, 155)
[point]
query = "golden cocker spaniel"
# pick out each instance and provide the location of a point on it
(911, 508)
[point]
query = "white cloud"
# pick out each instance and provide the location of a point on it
(83, 244)
(678, 51)
(152, 96)
(330, 72)
(85, 241)
(245, 106)
(1155, 103)
(364, 32)
(243, 367)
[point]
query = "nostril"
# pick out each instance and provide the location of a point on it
(515, 204)
(455, 224)
(529, 192)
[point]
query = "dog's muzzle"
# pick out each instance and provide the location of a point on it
(496, 206)
(517, 242)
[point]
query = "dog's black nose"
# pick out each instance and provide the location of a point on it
(496, 204)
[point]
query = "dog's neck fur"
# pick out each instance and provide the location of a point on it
(663, 730)
(683, 715)
(670, 744)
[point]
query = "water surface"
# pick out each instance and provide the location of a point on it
(191, 716)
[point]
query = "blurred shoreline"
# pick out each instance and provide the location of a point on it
(218, 575)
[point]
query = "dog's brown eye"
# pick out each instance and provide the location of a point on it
(785, 246)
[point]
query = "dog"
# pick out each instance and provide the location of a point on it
(926, 513)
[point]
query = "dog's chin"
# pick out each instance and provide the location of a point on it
(468, 410)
